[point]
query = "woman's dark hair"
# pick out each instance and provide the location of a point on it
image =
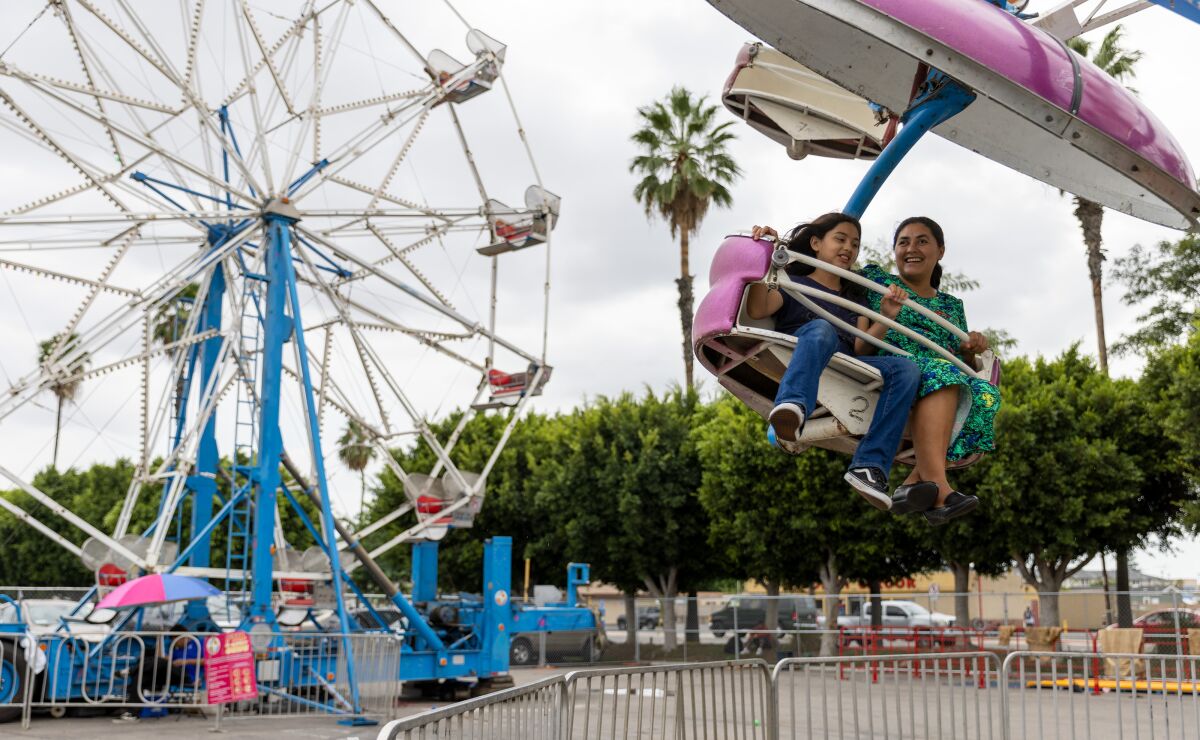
(938, 236)
(799, 239)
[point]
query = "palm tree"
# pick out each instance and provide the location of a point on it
(684, 168)
(1117, 62)
(63, 390)
(356, 452)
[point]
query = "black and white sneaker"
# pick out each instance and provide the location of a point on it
(788, 420)
(872, 485)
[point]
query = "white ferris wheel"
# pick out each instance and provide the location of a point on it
(224, 217)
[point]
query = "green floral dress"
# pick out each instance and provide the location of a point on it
(974, 422)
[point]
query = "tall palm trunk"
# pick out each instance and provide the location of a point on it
(1090, 216)
(685, 305)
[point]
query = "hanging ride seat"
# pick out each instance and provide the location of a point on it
(508, 388)
(791, 104)
(519, 229)
(749, 357)
(465, 81)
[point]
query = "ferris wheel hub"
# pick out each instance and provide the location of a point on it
(281, 207)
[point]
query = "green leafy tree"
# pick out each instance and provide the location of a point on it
(65, 386)
(623, 494)
(356, 452)
(1066, 478)
(754, 529)
(684, 168)
(1165, 276)
(1170, 385)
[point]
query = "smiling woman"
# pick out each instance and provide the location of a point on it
(954, 415)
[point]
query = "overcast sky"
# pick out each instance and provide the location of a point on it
(578, 71)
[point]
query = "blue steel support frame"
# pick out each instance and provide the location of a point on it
(279, 233)
(204, 483)
(277, 330)
(939, 106)
(424, 571)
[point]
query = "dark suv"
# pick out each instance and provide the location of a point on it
(751, 611)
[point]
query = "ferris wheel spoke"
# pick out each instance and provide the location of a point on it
(372, 102)
(9, 70)
(121, 33)
(359, 145)
(370, 357)
(425, 337)
(60, 151)
(474, 326)
(266, 57)
(150, 144)
(420, 276)
(399, 159)
(96, 285)
(259, 146)
(384, 196)
(239, 89)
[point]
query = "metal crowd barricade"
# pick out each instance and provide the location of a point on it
(727, 699)
(716, 701)
(132, 671)
(1084, 695)
(529, 712)
(300, 674)
(916, 695)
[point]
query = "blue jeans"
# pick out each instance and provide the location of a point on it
(816, 342)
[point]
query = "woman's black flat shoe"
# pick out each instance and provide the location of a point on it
(957, 504)
(919, 496)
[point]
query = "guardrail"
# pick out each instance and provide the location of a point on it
(730, 699)
(967, 696)
(297, 674)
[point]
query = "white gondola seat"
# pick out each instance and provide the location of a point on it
(518, 230)
(505, 389)
(793, 105)
(463, 84)
(749, 357)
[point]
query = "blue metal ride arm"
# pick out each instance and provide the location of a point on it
(1189, 9)
(942, 104)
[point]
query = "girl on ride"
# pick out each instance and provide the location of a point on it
(954, 413)
(834, 238)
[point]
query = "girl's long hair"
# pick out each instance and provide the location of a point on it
(799, 239)
(934, 228)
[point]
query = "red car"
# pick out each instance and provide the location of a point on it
(1166, 619)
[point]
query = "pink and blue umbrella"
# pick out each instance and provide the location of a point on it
(158, 588)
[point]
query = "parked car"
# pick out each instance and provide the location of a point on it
(586, 645)
(44, 616)
(897, 614)
(1164, 620)
(747, 612)
(648, 617)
